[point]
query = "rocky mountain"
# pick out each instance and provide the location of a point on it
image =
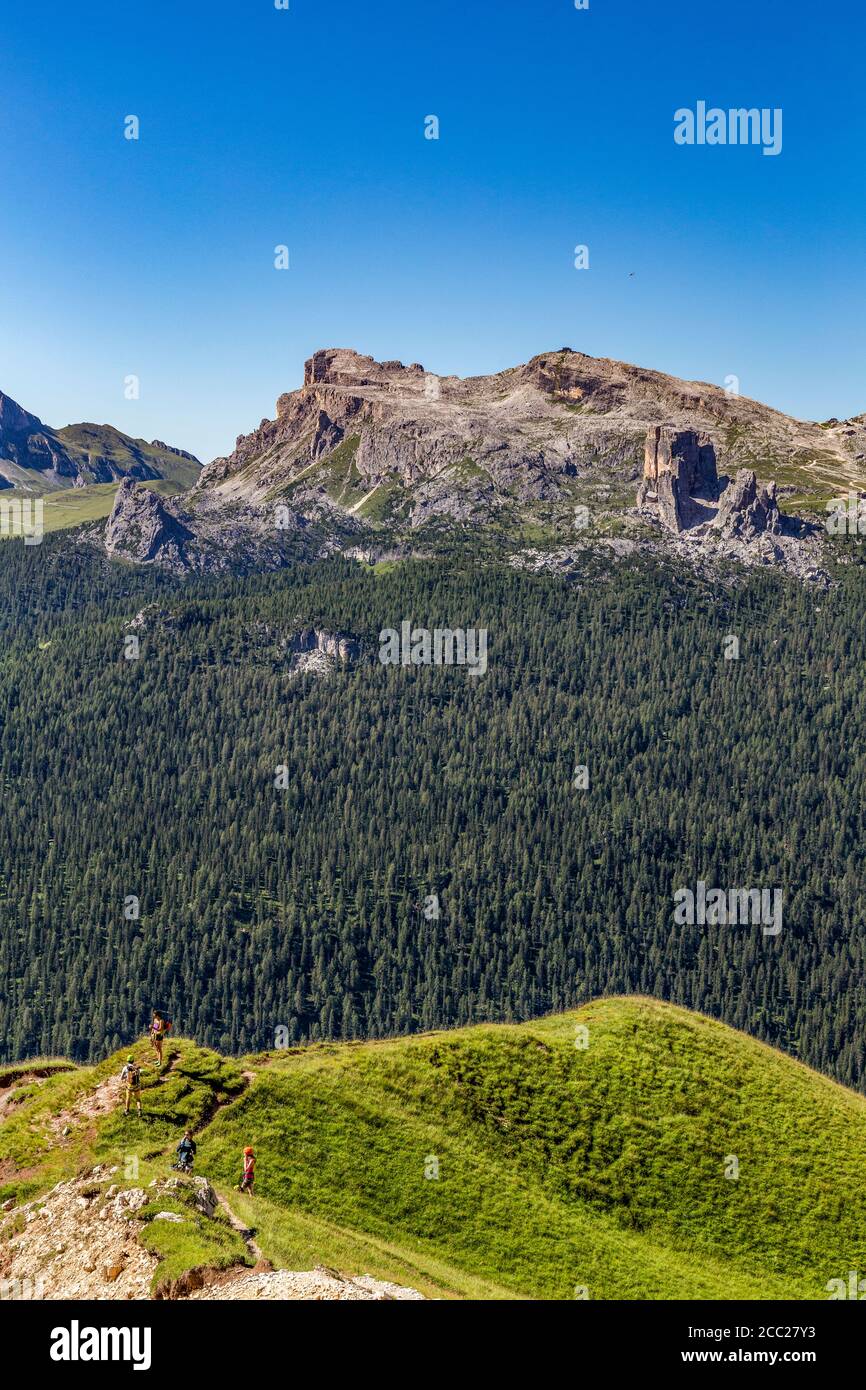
(36, 458)
(366, 452)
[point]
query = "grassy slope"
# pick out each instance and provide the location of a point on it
(106, 442)
(559, 1166)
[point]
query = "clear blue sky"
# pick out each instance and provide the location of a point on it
(306, 127)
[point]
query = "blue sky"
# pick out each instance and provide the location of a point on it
(262, 127)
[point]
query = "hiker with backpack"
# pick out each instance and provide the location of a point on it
(185, 1153)
(160, 1027)
(249, 1173)
(131, 1078)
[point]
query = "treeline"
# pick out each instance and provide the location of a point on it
(431, 861)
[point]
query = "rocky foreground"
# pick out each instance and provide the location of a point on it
(81, 1241)
(318, 1284)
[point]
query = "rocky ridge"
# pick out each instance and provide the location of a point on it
(34, 456)
(366, 452)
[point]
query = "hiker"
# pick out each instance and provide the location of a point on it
(185, 1153)
(249, 1175)
(131, 1077)
(159, 1027)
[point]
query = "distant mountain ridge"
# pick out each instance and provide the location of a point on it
(368, 452)
(34, 457)
(529, 428)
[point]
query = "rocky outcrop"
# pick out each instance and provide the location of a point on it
(466, 448)
(681, 486)
(319, 1284)
(367, 450)
(679, 469)
(81, 1240)
(746, 509)
(340, 645)
(687, 454)
(14, 420)
(314, 652)
(170, 449)
(27, 442)
(326, 436)
(142, 529)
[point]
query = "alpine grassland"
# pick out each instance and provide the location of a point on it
(630, 1149)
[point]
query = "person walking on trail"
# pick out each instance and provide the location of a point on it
(249, 1174)
(159, 1027)
(131, 1078)
(186, 1150)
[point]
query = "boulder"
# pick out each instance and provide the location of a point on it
(205, 1198)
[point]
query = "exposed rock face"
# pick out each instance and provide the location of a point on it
(368, 450)
(461, 447)
(79, 1242)
(142, 529)
(679, 467)
(340, 645)
(25, 441)
(681, 482)
(316, 653)
(16, 421)
(747, 510)
(82, 1241)
(170, 449)
(688, 455)
(464, 449)
(327, 436)
(319, 1284)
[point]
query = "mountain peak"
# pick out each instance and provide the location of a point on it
(345, 366)
(14, 419)
(34, 454)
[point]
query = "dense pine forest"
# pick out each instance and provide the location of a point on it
(310, 907)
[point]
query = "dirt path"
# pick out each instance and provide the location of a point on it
(100, 1101)
(245, 1233)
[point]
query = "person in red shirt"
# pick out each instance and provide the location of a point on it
(249, 1176)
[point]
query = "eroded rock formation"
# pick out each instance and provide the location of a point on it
(681, 484)
(679, 472)
(142, 529)
(747, 509)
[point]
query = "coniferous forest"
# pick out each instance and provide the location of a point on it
(431, 858)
